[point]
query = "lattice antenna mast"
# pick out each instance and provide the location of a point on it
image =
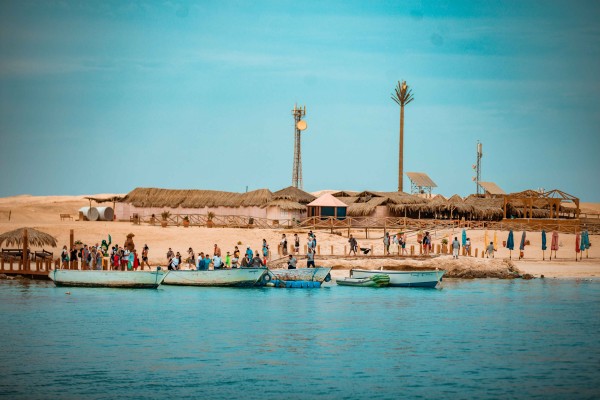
(299, 125)
(478, 167)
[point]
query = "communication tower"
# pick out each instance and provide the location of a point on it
(477, 168)
(299, 125)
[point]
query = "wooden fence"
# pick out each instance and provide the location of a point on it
(379, 223)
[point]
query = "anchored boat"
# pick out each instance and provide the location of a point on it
(429, 278)
(318, 274)
(239, 277)
(377, 280)
(112, 279)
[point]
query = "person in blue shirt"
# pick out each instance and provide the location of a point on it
(249, 252)
(200, 263)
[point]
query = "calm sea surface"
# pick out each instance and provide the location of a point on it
(473, 339)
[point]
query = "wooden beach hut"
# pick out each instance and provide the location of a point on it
(327, 206)
(24, 238)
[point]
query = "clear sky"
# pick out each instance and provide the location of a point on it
(106, 96)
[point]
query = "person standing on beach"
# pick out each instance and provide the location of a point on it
(228, 260)
(98, 260)
(353, 245)
(145, 257)
(249, 253)
(490, 250)
(64, 257)
(217, 251)
(170, 255)
(191, 260)
(206, 261)
(310, 259)
(284, 249)
(265, 249)
(85, 257)
(73, 258)
(455, 247)
(468, 246)
(386, 243)
(403, 244)
(296, 244)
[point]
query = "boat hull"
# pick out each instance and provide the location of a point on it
(236, 277)
(318, 274)
(425, 279)
(378, 280)
(111, 279)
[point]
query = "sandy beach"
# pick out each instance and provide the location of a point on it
(43, 213)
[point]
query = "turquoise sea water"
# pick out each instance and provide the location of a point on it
(473, 339)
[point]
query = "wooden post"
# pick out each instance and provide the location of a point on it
(71, 239)
(25, 243)
(345, 250)
(476, 253)
(331, 249)
(438, 248)
(305, 249)
(366, 233)
(318, 249)
(371, 249)
(412, 249)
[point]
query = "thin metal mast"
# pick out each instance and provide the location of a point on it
(297, 113)
(478, 167)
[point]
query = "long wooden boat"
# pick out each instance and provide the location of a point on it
(239, 277)
(112, 279)
(377, 280)
(318, 274)
(429, 278)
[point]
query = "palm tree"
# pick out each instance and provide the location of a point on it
(402, 95)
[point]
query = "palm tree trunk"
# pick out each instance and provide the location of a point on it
(401, 152)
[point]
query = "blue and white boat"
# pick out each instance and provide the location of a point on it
(236, 277)
(428, 278)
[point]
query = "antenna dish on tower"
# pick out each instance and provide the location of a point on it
(301, 125)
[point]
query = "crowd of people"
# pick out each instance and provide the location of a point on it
(91, 257)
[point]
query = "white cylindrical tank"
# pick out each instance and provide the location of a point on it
(91, 213)
(105, 213)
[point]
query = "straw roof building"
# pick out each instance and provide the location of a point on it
(261, 203)
(380, 204)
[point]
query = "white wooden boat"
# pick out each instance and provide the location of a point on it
(113, 279)
(318, 274)
(429, 278)
(240, 277)
(377, 280)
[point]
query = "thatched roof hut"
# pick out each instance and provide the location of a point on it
(287, 205)
(34, 238)
(153, 197)
(294, 194)
(456, 203)
(363, 209)
(486, 208)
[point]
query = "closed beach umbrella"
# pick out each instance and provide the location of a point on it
(522, 244)
(510, 242)
(543, 244)
(485, 240)
(554, 244)
(464, 237)
(577, 242)
(582, 244)
(495, 241)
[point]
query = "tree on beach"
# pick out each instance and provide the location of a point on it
(402, 95)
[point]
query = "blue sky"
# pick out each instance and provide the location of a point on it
(103, 97)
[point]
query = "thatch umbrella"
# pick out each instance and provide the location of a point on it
(27, 237)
